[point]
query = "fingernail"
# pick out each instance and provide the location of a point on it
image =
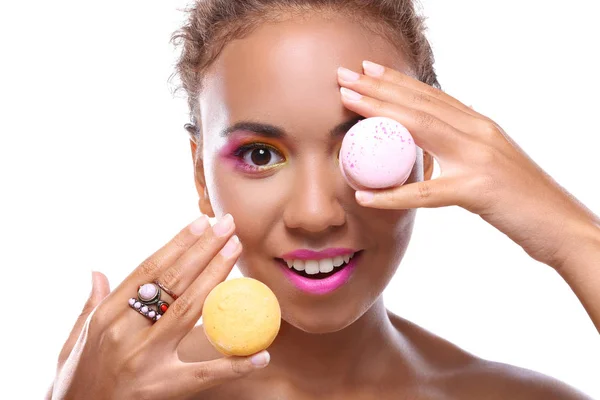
(364, 197)
(350, 94)
(347, 75)
(222, 227)
(261, 359)
(230, 247)
(199, 226)
(372, 69)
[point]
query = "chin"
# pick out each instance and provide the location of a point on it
(319, 323)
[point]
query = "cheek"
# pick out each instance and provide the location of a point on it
(255, 204)
(391, 231)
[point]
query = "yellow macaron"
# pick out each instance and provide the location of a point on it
(241, 317)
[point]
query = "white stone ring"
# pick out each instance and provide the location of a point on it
(148, 302)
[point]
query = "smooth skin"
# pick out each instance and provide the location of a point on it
(345, 345)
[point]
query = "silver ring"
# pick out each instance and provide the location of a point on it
(148, 302)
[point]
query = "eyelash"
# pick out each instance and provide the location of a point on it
(240, 151)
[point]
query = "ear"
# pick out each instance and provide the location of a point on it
(200, 182)
(427, 165)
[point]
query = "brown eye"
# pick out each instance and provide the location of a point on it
(260, 157)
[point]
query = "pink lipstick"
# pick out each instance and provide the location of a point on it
(304, 254)
(337, 279)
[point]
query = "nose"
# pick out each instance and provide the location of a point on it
(314, 204)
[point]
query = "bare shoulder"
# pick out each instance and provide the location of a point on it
(500, 381)
(445, 370)
(460, 375)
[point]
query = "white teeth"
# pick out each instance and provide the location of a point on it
(337, 261)
(299, 265)
(326, 265)
(312, 267)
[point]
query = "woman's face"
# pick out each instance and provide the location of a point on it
(280, 178)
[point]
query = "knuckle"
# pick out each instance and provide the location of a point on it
(431, 91)
(180, 308)
(238, 368)
(489, 129)
(99, 319)
(131, 366)
(203, 245)
(420, 98)
(111, 337)
(425, 120)
(171, 276)
(377, 106)
(179, 240)
(377, 85)
(149, 267)
(211, 274)
(424, 191)
(203, 374)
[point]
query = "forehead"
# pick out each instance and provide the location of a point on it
(285, 71)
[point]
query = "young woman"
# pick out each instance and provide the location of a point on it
(273, 85)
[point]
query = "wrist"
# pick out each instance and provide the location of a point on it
(581, 247)
(580, 267)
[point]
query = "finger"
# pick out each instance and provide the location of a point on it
(391, 75)
(100, 289)
(190, 264)
(430, 133)
(185, 312)
(440, 192)
(204, 375)
(391, 92)
(152, 266)
(178, 276)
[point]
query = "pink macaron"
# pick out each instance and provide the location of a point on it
(377, 153)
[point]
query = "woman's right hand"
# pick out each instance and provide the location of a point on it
(117, 353)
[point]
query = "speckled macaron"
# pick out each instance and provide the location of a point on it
(377, 153)
(241, 317)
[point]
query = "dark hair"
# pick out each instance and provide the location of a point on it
(211, 24)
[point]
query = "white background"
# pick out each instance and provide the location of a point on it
(96, 173)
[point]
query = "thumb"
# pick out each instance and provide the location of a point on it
(203, 375)
(100, 289)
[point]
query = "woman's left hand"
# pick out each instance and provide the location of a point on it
(482, 169)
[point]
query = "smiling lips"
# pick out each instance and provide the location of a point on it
(313, 262)
(319, 272)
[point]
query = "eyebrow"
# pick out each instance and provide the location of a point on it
(276, 132)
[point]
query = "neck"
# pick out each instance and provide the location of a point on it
(355, 352)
